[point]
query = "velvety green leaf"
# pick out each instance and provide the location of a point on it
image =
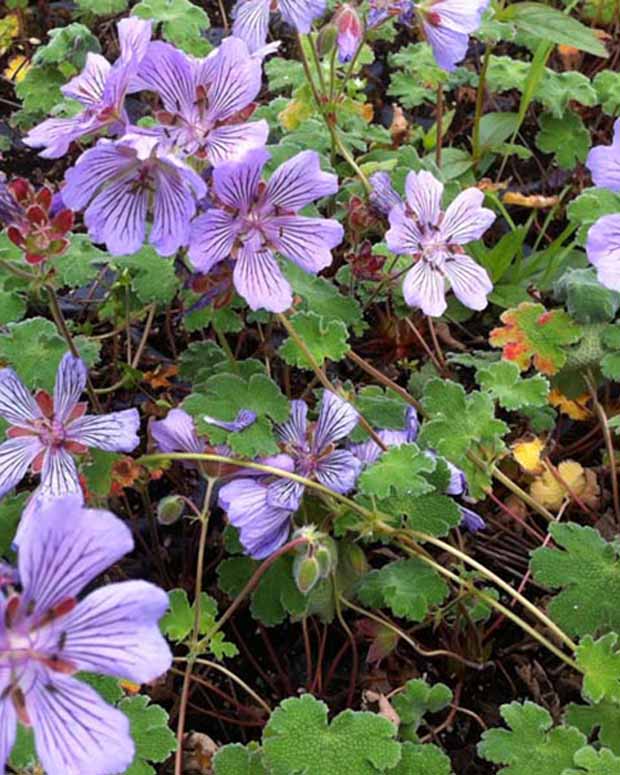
(81, 262)
(593, 762)
(154, 739)
(323, 338)
(414, 701)
(589, 206)
(600, 663)
(566, 138)
(103, 7)
(236, 759)
(607, 85)
(67, 44)
(183, 23)
(398, 471)
(503, 381)
(153, 278)
(604, 716)
(587, 301)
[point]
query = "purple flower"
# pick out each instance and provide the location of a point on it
(604, 162)
(433, 238)
(350, 32)
(603, 250)
(205, 100)
(252, 220)
(10, 209)
(382, 10)
(251, 18)
(447, 25)
(368, 452)
(261, 507)
(46, 636)
(383, 197)
(119, 182)
(46, 430)
(470, 520)
(177, 432)
(101, 89)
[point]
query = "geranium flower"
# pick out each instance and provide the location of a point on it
(177, 432)
(261, 507)
(603, 250)
(382, 10)
(251, 18)
(101, 88)
(251, 220)
(447, 25)
(206, 102)
(119, 182)
(604, 162)
(46, 636)
(433, 238)
(350, 32)
(45, 431)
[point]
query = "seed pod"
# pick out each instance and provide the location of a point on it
(306, 572)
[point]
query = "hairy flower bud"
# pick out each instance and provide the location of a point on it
(170, 509)
(306, 572)
(350, 32)
(327, 39)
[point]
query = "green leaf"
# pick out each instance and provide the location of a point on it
(587, 570)
(607, 85)
(422, 760)
(589, 206)
(503, 381)
(566, 138)
(414, 701)
(224, 395)
(323, 338)
(595, 762)
(198, 362)
(299, 741)
(398, 471)
(587, 301)
(23, 754)
(106, 687)
(39, 91)
(67, 44)
(530, 746)
(409, 588)
(81, 262)
(153, 738)
(11, 508)
(103, 7)
(236, 759)
(34, 349)
(152, 277)
(435, 514)
(603, 715)
(600, 663)
(98, 471)
(183, 23)
(178, 622)
(552, 25)
(284, 74)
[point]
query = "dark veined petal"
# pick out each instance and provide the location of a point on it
(259, 280)
(337, 418)
(176, 433)
(469, 281)
(16, 455)
(299, 181)
(115, 631)
(117, 216)
(231, 142)
(423, 192)
(114, 432)
(339, 471)
(134, 36)
(306, 241)
(603, 250)
(174, 207)
(59, 475)
(465, 219)
(75, 731)
(424, 287)
(262, 528)
(404, 235)
(70, 383)
(294, 429)
(8, 716)
(212, 237)
(301, 13)
(17, 406)
(383, 196)
(251, 22)
(88, 86)
(232, 79)
(285, 494)
(94, 167)
(70, 546)
(236, 182)
(604, 162)
(170, 73)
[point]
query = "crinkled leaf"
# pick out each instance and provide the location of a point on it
(416, 699)
(593, 762)
(198, 362)
(103, 7)
(503, 382)
(604, 716)
(607, 85)
(435, 514)
(589, 206)
(566, 138)
(587, 301)
(236, 759)
(587, 570)
(11, 507)
(422, 760)
(183, 23)
(600, 663)
(409, 588)
(153, 738)
(81, 262)
(298, 740)
(152, 277)
(399, 472)
(324, 338)
(67, 44)
(178, 622)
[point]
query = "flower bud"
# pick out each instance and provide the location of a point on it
(350, 31)
(327, 556)
(306, 572)
(170, 509)
(327, 39)
(354, 556)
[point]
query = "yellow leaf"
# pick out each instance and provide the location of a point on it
(9, 29)
(533, 202)
(548, 491)
(576, 409)
(294, 113)
(129, 686)
(527, 454)
(17, 68)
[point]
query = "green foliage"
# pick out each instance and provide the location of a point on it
(150, 732)
(299, 740)
(587, 301)
(183, 23)
(39, 91)
(531, 745)
(23, 754)
(502, 380)
(153, 278)
(98, 471)
(103, 7)
(459, 423)
(600, 663)
(325, 339)
(607, 85)
(409, 588)
(398, 471)
(587, 570)
(422, 760)
(604, 716)
(67, 46)
(284, 74)
(81, 262)
(11, 508)
(178, 622)
(566, 138)
(237, 759)
(589, 760)
(589, 206)
(414, 701)
(34, 349)
(200, 361)
(223, 395)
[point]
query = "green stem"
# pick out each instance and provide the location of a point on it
(482, 82)
(17, 272)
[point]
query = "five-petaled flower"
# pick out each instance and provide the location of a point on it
(604, 163)
(251, 18)
(101, 88)
(261, 507)
(206, 102)
(251, 220)
(434, 239)
(447, 25)
(47, 635)
(46, 431)
(120, 181)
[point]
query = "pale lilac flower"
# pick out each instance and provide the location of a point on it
(433, 238)
(101, 88)
(45, 431)
(206, 102)
(603, 250)
(604, 163)
(119, 182)
(177, 432)
(383, 197)
(350, 32)
(382, 10)
(471, 521)
(447, 25)
(261, 507)
(46, 636)
(252, 220)
(251, 18)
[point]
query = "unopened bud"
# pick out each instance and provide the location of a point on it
(354, 555)
(350, 31)
(327, 39)
(306, 572)
(327, 556)
(170, 509)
